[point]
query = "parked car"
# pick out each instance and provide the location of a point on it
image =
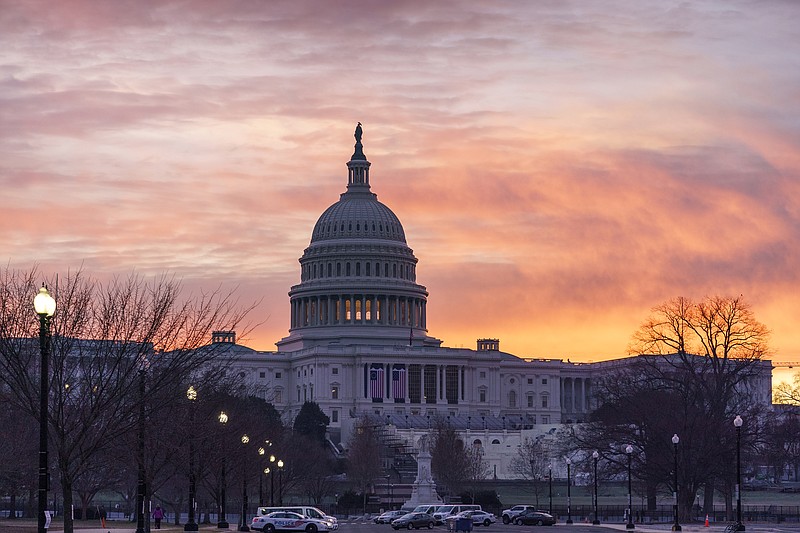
(478, 517)
(508, 515)
(444, 512)
(388, 516)
(534, 518)
(289, 521)
(413, 521)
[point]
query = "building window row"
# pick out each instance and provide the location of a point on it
(321, 270)
(332, 229)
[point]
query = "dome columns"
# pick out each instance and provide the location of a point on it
(358, 309)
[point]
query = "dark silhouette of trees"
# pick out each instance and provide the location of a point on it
(103, 334)
(312, 422)
(697, 366)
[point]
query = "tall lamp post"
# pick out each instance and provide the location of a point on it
(141, 483)
(280, 482)
(243, 520)
(261, 452)
(675, 440)
(569, 492)
(272, 480)
(737, 422)
(629, 525)
(550, 491)
(45, 307)
(223, 520)
(191, 525)
(596, 521)
(387, 490)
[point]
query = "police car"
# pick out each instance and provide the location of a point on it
(289, 521)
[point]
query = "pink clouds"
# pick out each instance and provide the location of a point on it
(559, 167)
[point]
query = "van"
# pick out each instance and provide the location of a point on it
(305, 510)
(443, 512)
(429, 508)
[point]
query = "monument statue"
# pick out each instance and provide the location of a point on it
(358, 133)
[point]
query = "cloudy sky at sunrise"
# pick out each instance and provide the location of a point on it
(559, 167)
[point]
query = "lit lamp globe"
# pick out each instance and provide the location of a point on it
(43, 303)
(223, 417)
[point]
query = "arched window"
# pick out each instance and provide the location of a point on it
(329, 269)
(512, 399)
(347, 268)
(358, 268)
(338, 269)
(367, 266)
(495, 441)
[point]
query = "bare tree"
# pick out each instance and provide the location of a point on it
(788, 393)
(698, 367)
(102, 336)
(364, 459)
(532, 463)
(454, 464)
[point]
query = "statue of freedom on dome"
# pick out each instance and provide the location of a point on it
(358, 133)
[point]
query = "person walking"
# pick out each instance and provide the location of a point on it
(158, 515)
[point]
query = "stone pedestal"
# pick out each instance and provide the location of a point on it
(423, 491)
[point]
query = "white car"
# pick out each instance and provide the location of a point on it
(478, 517)
(510, 514)
(288, 521)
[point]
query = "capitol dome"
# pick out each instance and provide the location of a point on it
(358, 217)
(358, 274)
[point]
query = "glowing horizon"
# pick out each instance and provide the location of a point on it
(559, 169)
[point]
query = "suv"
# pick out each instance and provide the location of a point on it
(443, 512)
(509, 514)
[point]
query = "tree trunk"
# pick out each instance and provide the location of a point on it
(69, 523)
(708, 497)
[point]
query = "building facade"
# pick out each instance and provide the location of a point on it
(359, 344)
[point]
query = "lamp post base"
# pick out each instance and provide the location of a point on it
(676, 527)
(596, 522)
(191, 526)
(244, 528)
(739, 527)
(222, 524)
(630, 525)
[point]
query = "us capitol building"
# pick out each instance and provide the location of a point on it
(358, 345)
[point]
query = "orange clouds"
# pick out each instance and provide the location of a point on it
(558, 168)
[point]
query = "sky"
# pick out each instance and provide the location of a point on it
(560, 168)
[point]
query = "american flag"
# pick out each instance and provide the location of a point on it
(376, 382)
(398, 383)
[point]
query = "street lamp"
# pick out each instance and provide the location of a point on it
(261, 452)
(550, 482)
(45, 307)
(191, 395)
(280, 482)
(141, 482)
(387, 490)
(629, 525)
(675, 440)
(737, 422)
(569, 493)
(272, 482)
(596, 520)
(243, 520)
(223, 522)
